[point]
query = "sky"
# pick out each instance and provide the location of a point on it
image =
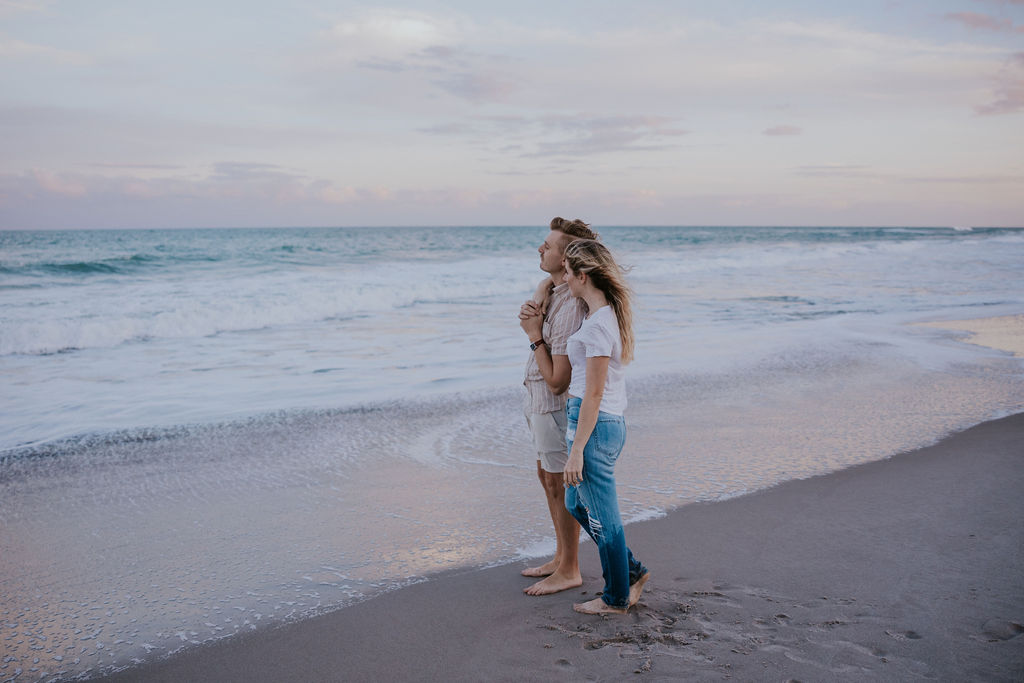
(141, 114)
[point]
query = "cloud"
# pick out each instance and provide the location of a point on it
(967, 180)
(1009, 90)
(136, 167)
(433, 62)
(416, 50)
(59, 184)
(1009, 100)
(20, 50)
(835, 170)
(981, 21)
(447, 129)
(566, 136)
(378, 64)
(578, 136)
(867, 172)
(396, 31)
(782, 130)
(387, 39)
(11, 7)
(477, 87)
(233, 171)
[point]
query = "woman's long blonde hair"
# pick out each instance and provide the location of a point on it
(594, 259)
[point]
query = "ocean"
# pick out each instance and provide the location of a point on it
(203, 432)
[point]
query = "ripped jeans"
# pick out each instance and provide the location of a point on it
(595, 504)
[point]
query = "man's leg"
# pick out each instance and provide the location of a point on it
(564, 568)
(563, 571)
(548, 568)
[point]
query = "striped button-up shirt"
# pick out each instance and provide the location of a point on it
(564, 316)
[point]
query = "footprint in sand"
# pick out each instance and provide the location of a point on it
(904, 635)
(997, 629)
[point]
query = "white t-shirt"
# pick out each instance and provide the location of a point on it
(599, 336)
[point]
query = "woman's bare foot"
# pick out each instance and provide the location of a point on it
(637, 588)
(546, 569)
(553, 584)
(598, 606)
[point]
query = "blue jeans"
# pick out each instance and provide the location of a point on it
(595, 504)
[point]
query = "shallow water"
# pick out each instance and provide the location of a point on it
(133, 548)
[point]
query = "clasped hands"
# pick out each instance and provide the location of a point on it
(531, 319)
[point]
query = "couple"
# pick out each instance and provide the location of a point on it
(580, 327)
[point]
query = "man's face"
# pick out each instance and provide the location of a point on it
(551, 252)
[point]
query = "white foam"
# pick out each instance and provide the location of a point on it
(53, 319)
(544, 547)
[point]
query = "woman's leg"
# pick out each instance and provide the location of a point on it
(595, 505)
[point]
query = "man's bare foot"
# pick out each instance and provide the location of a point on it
(637, 588)
(598, 606)
(553, 584)
(546, 569)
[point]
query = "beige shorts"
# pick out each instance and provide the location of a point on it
(548, 431)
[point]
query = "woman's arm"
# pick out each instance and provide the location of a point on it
(538, 303)
(597, 373)
(543, 293)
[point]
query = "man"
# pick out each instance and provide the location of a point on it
(548, 320)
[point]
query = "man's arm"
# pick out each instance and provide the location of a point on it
(555, 369)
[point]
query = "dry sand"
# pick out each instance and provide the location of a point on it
(904, 569)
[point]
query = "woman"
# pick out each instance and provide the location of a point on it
(596, 430)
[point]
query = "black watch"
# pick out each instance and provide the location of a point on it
(534, 345)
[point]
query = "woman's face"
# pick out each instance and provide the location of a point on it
(574, 281)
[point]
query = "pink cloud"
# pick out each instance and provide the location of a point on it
(67, 186)
(1009, 94)
(1009, 100)
(782, 130)
(981, 21)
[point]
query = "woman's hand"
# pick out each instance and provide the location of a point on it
(530, 309)
(573, 473)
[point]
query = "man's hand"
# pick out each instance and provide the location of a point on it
(531, 320)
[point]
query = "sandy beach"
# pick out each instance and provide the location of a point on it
(902, 569)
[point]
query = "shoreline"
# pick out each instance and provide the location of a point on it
(892, 569)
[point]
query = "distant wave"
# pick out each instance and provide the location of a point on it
(133, 264)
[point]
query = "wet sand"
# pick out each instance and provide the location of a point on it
(1002, 332)
(902, 569)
